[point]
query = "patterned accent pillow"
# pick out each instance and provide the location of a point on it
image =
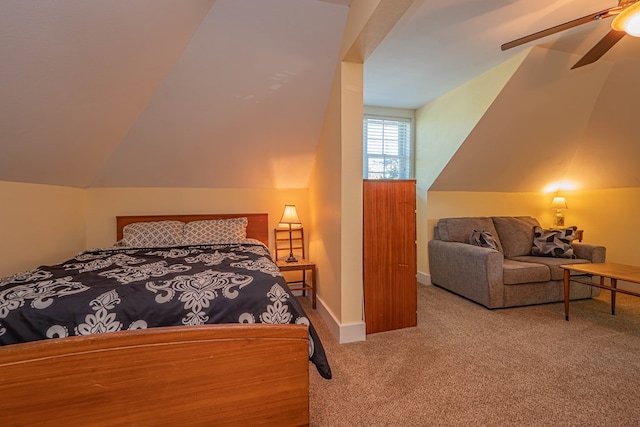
(554, 243)
(215, 231)
(483, 239)
(152, 234)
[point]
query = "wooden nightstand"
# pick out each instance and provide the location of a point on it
(301, 285)
(293, 244)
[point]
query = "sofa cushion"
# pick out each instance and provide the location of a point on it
(515, 234)
(554, 264)
(460, 229)
(516, 272)
(554, 243)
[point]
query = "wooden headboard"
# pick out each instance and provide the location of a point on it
(257, 227)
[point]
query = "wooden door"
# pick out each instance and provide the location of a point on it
(389, 254)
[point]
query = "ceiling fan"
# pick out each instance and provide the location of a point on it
(626, 21)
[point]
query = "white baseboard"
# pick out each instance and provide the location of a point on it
(353, 332)
(424, 278)
(343, 333)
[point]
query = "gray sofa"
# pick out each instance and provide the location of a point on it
(509, 276)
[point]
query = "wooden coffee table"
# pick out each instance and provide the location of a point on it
(613, 272)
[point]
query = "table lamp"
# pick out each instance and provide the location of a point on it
(290, 217)
(559, 204)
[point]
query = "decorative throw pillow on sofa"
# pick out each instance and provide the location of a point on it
(554, 243)
(484, 239)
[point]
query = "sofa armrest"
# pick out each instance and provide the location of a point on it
(471, 271)
(593, 253)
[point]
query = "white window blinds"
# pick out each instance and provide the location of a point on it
(387, 148)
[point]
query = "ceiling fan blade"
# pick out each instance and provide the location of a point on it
(600, 48)
(584, 20)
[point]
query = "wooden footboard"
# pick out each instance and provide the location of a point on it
(201, 375)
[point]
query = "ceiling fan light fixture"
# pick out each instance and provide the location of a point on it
(628, 20)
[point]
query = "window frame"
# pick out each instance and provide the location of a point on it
(394, 115)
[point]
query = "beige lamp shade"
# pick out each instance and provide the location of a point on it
(289, 217)
(559, 203)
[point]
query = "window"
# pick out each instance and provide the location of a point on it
(387, 148)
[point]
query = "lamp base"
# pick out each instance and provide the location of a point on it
(292, 258)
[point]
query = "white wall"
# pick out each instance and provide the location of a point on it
(39, 224)
(43, 224)
(441, 128)
(336, 182)
(104, 204)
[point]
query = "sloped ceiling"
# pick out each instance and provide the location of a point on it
(550, 124)
(232, 93)
(439, 45)
(190, 93)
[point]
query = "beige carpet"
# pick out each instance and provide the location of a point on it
(467, 365)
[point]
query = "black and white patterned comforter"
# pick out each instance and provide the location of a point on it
(110, 290)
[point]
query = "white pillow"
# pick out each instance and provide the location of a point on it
(215, 231)
(150, 234)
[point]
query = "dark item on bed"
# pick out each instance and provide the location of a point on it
(109, 290)
(132, 288)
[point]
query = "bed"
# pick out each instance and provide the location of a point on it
(199, 332)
